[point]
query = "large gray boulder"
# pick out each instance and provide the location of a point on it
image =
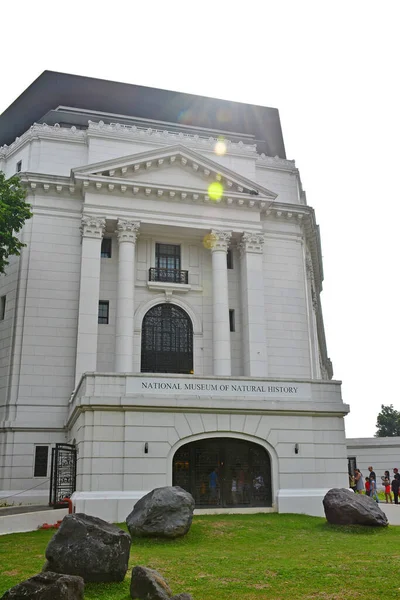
(89, 547)
(344, 507)
(165, 512)
(48, 586)
(147, 584)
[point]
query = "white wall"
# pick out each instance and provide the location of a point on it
(111, 447)
(381, 453)
(287, 328)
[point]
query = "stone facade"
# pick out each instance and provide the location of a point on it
(66, 377)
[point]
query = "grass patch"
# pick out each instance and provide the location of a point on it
(244, 557)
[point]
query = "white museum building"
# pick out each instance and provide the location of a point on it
(163, 324)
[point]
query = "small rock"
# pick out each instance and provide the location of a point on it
(164, 512)
(344, 507)
(48, 586)
(183, 596)
(147, 584)
(89, 547)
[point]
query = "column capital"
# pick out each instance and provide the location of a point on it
(92, 226)
(252, 242)
(219, 240)
(127, 230)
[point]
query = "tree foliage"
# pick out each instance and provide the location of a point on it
(14, 211)
(388, 422)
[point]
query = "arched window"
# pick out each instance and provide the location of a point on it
(167, 340)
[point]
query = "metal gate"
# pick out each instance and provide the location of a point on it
(63, 474)
(224, 472)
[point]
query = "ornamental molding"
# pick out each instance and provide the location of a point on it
(163, 136)
(219, 240)
(149, 135)
(92, 226)
(251, 242)
(42, 130)
(127, 230)
(276, 163)
(131, 171)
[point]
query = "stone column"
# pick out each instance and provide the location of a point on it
(221, 332)
(86, 349)
(253, 305)
(124, 325)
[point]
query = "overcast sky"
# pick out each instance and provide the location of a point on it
(332, 70)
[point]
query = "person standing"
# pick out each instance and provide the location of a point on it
(372, 490)
(372, 472)
(359, 479)
(367, 486)
(213, 486)
(395, 488)
(386, 484)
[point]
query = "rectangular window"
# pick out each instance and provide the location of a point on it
(19, 166)
(229, 259)
(41, 460)
(231, 319)
(2, 307)
(168, 263)
(351, 464)
(168, 256)
(106, 248)
(104, 308)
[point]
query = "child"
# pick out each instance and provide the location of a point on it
(367, 486)
(372, 491)
(386, 484)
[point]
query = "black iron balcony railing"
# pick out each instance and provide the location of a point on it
(168, 275)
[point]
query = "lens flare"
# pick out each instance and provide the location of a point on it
(209, 241)
(220, 148)
(215, 190)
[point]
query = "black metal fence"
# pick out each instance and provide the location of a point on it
(168, 275)
(63, 474)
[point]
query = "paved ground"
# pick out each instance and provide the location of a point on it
(16, 510)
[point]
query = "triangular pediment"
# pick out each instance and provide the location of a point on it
(171, 166)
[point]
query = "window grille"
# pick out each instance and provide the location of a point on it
(224, 472)
(106, 244)
(104, 309)
(167, 340)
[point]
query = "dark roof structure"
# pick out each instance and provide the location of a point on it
(126, 103)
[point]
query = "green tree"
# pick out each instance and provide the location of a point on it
(388, 422)
(14, 211)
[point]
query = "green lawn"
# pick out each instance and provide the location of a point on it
(245, 557)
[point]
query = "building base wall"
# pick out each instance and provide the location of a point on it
(302, 501)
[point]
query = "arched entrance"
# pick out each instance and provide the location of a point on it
(167, 340)
(224, 472)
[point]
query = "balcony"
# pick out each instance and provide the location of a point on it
(172, 280)
(168, 275)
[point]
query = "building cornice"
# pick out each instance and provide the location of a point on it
(43, 131)
(154, 136)
(276, 163)
(161, 137)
